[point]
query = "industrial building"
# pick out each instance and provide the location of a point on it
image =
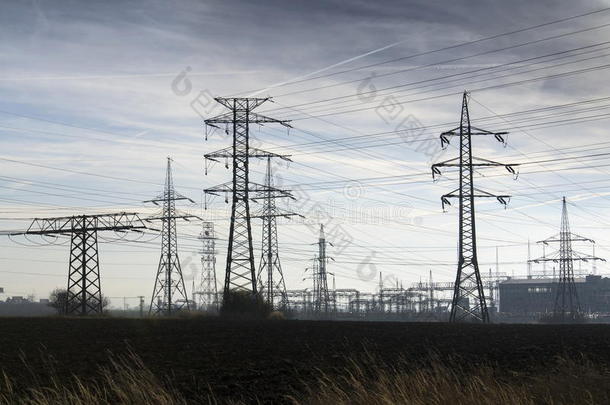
(537, 295)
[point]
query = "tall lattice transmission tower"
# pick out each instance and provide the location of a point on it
(468, 302)
(84, 293)
(169, 293)
(207, 292)
(240, 271)
(566, 305)
(270, 275)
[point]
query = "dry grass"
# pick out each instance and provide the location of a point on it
(373, 382)
(370, 381)
(125, 381)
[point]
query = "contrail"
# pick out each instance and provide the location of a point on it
(343, 62)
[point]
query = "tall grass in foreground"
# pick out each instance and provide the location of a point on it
(125, 381)
(378, 383)
(370, 381)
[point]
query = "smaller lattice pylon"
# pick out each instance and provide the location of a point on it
(319, 275)
(206, 291)
(566, 304)
(169, 293)
(270, 276)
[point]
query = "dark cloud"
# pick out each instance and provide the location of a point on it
(294, 35)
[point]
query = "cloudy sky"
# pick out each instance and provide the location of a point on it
(95, 95)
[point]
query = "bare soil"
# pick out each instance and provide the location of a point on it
(267, 360)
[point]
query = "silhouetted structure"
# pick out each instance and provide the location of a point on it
(270, 276)
(169, 293)
(566, 306)
(240, 271)
(468, 297)
(84, 290)
(207, 291)
(320, 276)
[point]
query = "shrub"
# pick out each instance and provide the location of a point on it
(276, 316)
(244, 303)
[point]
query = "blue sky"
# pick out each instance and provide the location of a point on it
(89, 111)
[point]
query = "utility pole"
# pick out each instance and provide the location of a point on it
(240, 272)
(169, 293)
(529, 258)
(270, 276)
(566, 306)
(491, 287)
(497, 262)
(141, 297)
(594, 261)
(431, 292)
(194, 297)
(84, 293)
(544, 262)
(207, 291)
(468, 296)
(334, 295)
(381, 303)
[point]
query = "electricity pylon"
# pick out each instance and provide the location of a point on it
(207, 292)
(169, 293)
(270, 276)
(84, 294)
(566, 306)
(321, 297)
(240, 271)
(468, 285)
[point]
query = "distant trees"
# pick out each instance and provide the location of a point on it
(59, 296)
(57, 300)
(105, 302)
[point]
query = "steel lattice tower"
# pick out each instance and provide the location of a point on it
(468, 285)
(320, 276)
(169, 293)
(207, 291)
(240, 272)
(84, 295)
(566, 300)
(270, 276)
(84, 292)
(270, 259)
(566, 306)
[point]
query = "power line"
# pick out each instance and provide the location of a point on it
(517, 62)
(521, 30)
